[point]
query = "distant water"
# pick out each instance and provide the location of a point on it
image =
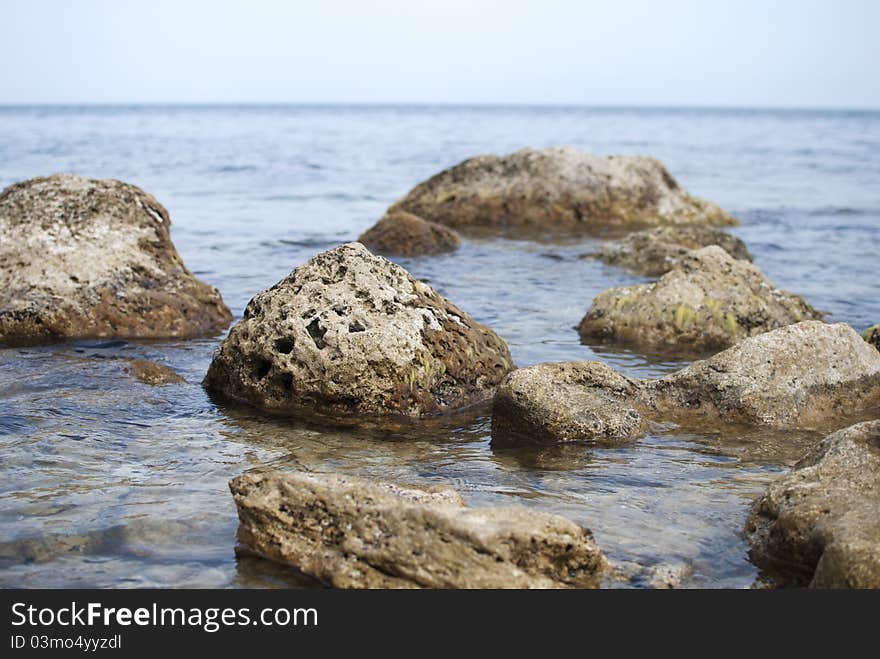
(108, 482)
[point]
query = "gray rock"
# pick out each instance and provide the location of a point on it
(351, 334)
(557, 191)
(93, 258)
(353, 533)
(405, 234)
(820, 524)
(657, 251)
(807, 375)
(709, 301)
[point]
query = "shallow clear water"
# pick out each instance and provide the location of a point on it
(109, 482)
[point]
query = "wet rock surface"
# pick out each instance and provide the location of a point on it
(807, 375)
(153, 373)
(820, 524)
(349, 532)
(83, 257)
(557, 191)
(404, 234)
(657, 251)
(872, 336)
(350, 333)
(709, 301)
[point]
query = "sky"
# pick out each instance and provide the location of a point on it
(720, 53)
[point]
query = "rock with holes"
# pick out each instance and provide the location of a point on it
(82, 257)
(657, 251)
(556, 191)
(709, 301)
(350, 334)
(872, 336)
(820, 524)
(564, 402)
(349, 532)
(807, 375)
(405, 234)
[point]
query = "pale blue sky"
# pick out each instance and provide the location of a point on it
(676, 52)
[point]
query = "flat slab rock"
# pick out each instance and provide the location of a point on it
(404, 234)
(820, 524)
(353, 533)
(350, 334)
(708, 301)
(807, 375)
(83, 257)
(556, 191)
(656, 251)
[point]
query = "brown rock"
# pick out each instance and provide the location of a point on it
(709, 301)
(405, 234)
(93, 258)
(820, 524)
(557, 191)
(152, 373)
(352, 533)
(350, 334)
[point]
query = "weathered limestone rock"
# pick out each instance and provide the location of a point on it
(350, 333)
(569, 401)
(820, 524)
(806, 375)
(657, 251)
(353, 533)
(93, 258)
(405, 234)
(557, 191)
(872, 336)
(153, 373)
(710, 300)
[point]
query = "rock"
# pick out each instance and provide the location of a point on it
(353, 533)
(709, 301)
(872, 336)
(657, 251)
(93, 258)
(806, 375)
(153, 373)
(800, 376)
(405, 234)
(820, 524)
(570, 401)
(351, 334)
(557, 191)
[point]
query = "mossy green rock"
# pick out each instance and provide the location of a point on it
(872, 336)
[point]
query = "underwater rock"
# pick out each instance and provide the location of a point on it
(872, 336)
(404, 234)
(349, 532)
(152, 373)
(806, 375)
(568, 401)
(90, 258)
(350, 334)
(709, 301)
(556, 191)
(820, 524)
(657, 251)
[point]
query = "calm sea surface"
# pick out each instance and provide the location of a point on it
(106, 482)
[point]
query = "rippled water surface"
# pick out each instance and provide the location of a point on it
(109, 482)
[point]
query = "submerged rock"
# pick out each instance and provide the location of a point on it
(83, 258)
(557, 191)
(710, 300)
(350, 333)
(657, 251)
(569, 401)
(872, 336)
(806, 375)
(405, 234)
(353, 533)
(820, 524)
(152, 373)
